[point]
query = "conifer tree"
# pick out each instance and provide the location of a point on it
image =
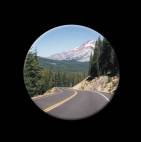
(32, 74)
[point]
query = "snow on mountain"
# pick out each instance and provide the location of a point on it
(81, 54)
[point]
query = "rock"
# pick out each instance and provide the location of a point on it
(103, 84)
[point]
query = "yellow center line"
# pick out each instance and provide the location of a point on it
(60, 103)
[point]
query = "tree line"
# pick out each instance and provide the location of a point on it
(103, 60)
(39, 79)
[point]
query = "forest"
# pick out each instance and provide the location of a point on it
(39, 79)
(103, 61)
(64, 65)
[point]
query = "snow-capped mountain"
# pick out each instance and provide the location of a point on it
(81, 54)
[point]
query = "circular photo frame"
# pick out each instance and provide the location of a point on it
(71, 72)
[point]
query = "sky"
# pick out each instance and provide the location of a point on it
(63, 38)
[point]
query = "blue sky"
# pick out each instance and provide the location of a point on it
(63, 38)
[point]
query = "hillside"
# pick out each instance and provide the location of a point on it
(102, 84)
(64, 65)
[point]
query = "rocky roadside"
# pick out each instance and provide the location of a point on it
(105, 84)
(53, 91)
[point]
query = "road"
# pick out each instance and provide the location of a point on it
(72, 104)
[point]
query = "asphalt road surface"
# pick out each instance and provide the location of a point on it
(72, 104)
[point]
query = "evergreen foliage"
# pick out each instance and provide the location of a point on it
(104, 60)
(39, 79)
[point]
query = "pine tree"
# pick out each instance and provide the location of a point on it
(99, 48)
(94, 71)
(90, 64)
(103, 61)
(114, 62)
(32, 74)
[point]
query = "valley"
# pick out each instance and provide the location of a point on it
(64, 65)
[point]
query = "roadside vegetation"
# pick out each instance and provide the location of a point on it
(39, 79)
(103, 69)
(103, 61)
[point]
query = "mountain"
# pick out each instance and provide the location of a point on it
(64, 65)
(80, 54)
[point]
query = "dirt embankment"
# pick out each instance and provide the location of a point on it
(103, 84)
(54, 90)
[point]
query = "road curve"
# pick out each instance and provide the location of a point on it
(72, 104)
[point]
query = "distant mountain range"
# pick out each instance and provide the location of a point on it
(73, 60)
(80, 54)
